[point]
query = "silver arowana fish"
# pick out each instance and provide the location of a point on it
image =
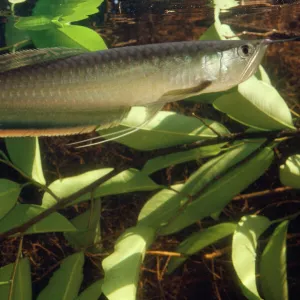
(60, 91)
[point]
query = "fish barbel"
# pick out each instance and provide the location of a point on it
(59, 91)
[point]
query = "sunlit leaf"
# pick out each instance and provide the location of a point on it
(165, 161)
(263, 107)
(244, 252)
(21, 282)
(88, 228)
(199, 240)
(16, 1)
(93, 292)
(220, 191)
(290, 172)
(225, 4)
(122, 267)
(65, 282)
(22, 213)
(65, 187)
(25, 154)
(9, 193)
(273, 276)
(166, 129)
(262, 75)
(69, 11)
(69, 36)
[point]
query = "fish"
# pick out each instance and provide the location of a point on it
(61, 91)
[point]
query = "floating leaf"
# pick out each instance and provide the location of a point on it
(166, 129)
(69, 36)
(273, 275)
(93, 292)
(290, 172)
(244, 252)
(165, 161)
(67, 186)
(220, 191)
(25, 154)
(263, 107)
(88, 228)
(21, 282)
(65, 282)
(123, 266)
(9, 193)
(24, 212)
(199, 240)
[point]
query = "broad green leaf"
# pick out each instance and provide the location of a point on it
(93, 292)
(273, 276)
(263, 107)
(225, 4)
(128, 181)
(67, 186)
(69, 36)
(263, 76)
(21, 284)
(22, 213)
(199, 240)
(34, 23)
(290, 172)
(244, 246)
(166, 129)
(220, 191)
(88, 228)
(9, 193)
(65, 282)
(122, 267)
(160, 208)
(165, 161)
(25, 154)
(69, 11)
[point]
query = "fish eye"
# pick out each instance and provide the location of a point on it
(245, 50)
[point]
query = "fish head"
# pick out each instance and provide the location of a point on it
(235, 64)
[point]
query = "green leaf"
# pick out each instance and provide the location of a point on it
(93, 292)
(263, 76)
(263, 107)
(166, 129)
(65, 282)
(13, 35)
(34, 23)
(225, 4)
(9, 193)
(69, 11)
(220, 191)
(165, 161)
(88, 228)
(199, 240)
(290, 172)
(25, 154)
(67, 186)
(273, 276)
(123, 266)
(69, 36)
(244, 246)
(21, 282)
(24, 212)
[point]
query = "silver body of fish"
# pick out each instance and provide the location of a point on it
(59, 91)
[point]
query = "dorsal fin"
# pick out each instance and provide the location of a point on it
(31, 57)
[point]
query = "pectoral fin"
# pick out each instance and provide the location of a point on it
(185, 93)
(32, 57)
